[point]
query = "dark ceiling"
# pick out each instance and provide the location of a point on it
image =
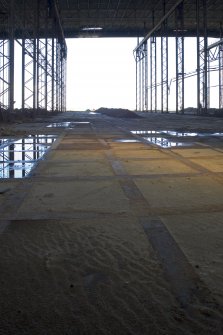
(105, 18)
(131, 17)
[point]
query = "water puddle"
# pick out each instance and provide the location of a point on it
(81, 122)
(166, 143)
(19, 156)
(179, 134)
(168, 138)
(190, 134)
(145, 132)
(60, 125)
(126, 140)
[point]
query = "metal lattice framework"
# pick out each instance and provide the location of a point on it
(43, 65)
(164, 73)
(153, 75)
(142, 78)
(179, 59)
(41, 26)
(202, 57)
(4, 73)
(178, 13)
(221, 76)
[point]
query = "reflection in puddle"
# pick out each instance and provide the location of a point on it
(174, 133)
(126, 140)
(60, 125)
(81, 122)
(165, 143)
(67, 124)
(145, 132)
(179, 134)
(170, 139)
(18, 156)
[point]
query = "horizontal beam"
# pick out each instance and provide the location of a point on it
(158, 25)
(61, 40)
(216, 44)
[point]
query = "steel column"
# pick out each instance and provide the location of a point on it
(141, 78)
(146, 75)
(11, 57)
(4, 77)
(202, 57)
(153, 75)
(164, 65)
(221, 69)
(179, 19)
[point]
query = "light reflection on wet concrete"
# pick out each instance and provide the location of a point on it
(18, 156)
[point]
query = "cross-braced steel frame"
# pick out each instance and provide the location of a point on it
(221, 76)
(215, 63)
(202, 57)
(141, 58)
(153, 74)
(164, 64)
(161, 26)
(179, 21)
(7, 60)
(205, 56)
(43, 65)
(4, 74)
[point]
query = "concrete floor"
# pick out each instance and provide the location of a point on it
(115, 237)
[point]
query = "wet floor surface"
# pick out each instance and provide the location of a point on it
(118, 228)
(19, 156)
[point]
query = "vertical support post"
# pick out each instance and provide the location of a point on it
(146, 75)
(202, 57)
(46, 74)
(12, 56)
(199, 106)
(143, 78)
(164, 65)
(205, 73)
(153, 70)
(53, 74)
(208, 79)
(23, 74)
(153, 75)
(179, 19)
(136, 62)
(140, 81)
(221, 76)
(221, 71)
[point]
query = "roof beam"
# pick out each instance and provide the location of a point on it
(158, 25)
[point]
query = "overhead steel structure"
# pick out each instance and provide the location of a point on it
(176, 21)
(33, 32)
(38, 29)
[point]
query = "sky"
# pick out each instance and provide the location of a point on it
(101, 73)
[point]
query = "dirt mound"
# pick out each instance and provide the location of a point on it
(118, 112)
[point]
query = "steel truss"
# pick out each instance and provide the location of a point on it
(164, 64)
(43, 65)
(4, 74)
(215, 63)
(162, 26)
(179, 21)
(221, 76)
(141, 58)
(203, 99)
(6, 52)
(153, 74)
(204, 58)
